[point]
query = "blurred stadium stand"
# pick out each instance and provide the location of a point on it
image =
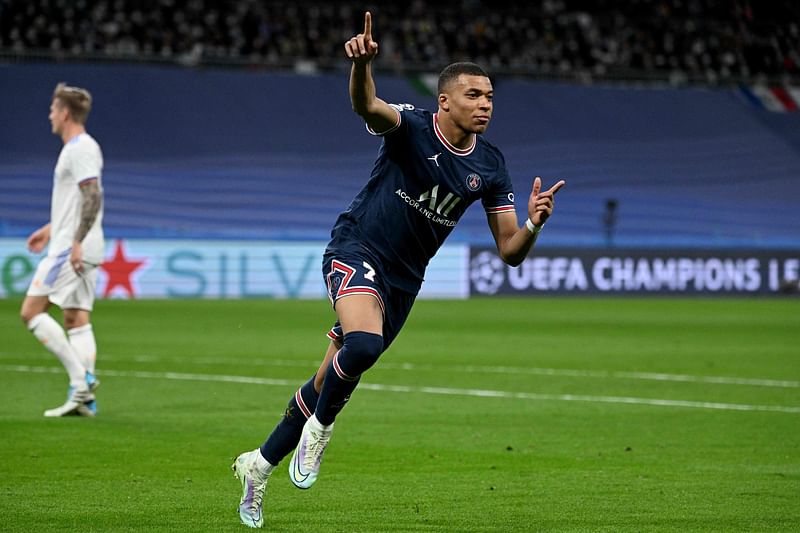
(263, 152)
(705, 41)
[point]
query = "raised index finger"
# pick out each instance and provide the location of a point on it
(554, 189)
(368, 24)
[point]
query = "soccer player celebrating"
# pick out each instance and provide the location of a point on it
(430, 168)
(67, 275)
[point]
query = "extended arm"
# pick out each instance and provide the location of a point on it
(514, 243)
(361, 49)
(91, 200)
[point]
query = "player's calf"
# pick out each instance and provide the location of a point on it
(359, 352)
(286, 435)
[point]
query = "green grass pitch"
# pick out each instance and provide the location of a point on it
(497, 415)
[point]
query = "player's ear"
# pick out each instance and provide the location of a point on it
(444, 104)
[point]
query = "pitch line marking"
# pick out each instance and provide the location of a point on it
(478, 369)
(448, 391)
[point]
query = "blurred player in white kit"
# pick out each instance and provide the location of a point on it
(67, 275)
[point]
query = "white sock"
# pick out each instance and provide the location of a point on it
(262, 464)
(82, 340)
(317, 425)
(46, 329)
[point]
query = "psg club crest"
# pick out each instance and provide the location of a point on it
(473, 182)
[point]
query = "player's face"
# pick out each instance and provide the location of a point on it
(58, 116)
(470, 102)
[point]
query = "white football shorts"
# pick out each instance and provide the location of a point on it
(56, 279)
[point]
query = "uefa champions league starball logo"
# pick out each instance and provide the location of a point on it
(486, 271)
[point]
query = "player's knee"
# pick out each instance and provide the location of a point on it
(27, 313)
(75, 318)
(72, 322)
(31, 307)
(360, 351)
(31, 320)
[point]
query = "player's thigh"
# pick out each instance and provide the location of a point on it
(77, 299)
(58, 283)
(360, 312)
(355, 290)
(51, 273)
(32, 306)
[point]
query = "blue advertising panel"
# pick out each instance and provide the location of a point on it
(631, 271)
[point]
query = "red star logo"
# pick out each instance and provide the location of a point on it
(119, 270)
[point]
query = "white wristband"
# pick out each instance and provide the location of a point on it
(533, 229)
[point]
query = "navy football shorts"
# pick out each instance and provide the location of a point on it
(355, 272)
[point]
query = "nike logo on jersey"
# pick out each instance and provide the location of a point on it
(434, 158)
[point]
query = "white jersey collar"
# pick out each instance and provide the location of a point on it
(446, 143)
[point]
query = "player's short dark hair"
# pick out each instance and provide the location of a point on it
(453, 71)
(76, 99)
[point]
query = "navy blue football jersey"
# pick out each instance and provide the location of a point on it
(420, 187)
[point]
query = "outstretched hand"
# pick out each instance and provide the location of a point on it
(38, 239)
(361, 48)
(540, 204)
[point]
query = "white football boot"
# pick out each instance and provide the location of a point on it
(253, 471)
(304, 466)
(75, 405)
(90, 403)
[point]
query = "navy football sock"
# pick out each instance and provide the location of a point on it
(286, 435)
(359, 352)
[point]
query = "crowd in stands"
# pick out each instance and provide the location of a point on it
(713, 41)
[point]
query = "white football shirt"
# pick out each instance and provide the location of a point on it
(80, 160)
